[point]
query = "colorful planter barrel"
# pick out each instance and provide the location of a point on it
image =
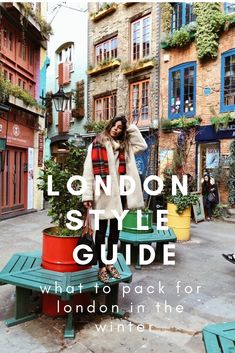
(130, 222)
(57, 255)
(179, 223)
(57, 252)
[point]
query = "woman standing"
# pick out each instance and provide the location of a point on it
(210, 194)
(112, 153)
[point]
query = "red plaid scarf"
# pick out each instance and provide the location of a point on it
(100, 160)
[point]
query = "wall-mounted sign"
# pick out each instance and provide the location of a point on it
(40, 149)
(207, 91)
(212, 157)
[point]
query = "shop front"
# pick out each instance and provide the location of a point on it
(213, 150)
(17, 165)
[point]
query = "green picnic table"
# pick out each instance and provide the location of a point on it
(219, 338)
(160, 237)
(25, 272)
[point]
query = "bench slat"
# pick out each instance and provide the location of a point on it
(211, 343)
(31, 275)
(226, 344)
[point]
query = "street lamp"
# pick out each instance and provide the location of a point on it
(60, 100)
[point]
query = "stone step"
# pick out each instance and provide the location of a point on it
(229, 219)
(231, 211)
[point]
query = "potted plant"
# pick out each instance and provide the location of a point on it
(58, 241)
(179, 214)
(130, 221)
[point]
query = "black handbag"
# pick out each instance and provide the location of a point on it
(87, 239)
(211, 196)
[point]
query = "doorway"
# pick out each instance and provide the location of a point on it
(13, 180)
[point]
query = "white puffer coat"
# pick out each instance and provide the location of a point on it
(104, 202)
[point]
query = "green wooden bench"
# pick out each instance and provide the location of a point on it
(25, 272)
(160, 237)
(219, 338)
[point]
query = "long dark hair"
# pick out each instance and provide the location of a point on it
(206, 184)
(112, 122)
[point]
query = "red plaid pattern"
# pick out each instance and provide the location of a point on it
(100, 164)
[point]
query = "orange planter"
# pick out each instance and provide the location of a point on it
(57, 255)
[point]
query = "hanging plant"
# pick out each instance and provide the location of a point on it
(181, 123)
(210, 21)
(45, 27)
(166, 13)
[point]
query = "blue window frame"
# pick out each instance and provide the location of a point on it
(182, 91)
(227, 90)
(182, 14)
(229, 7)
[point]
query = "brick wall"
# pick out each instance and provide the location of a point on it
(120, 22)
(208, 74)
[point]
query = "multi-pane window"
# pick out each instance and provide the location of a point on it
(228, 81)
(229, 7)
(182, 14)
(139, 99)
(105, 107)
(66, 55)
(106, 50)
(141, 38)
(182, 90)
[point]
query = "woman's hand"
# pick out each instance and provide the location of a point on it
(87, 204)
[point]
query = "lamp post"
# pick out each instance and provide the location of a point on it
(60, 100)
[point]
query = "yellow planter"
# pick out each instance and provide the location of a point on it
(179, 223)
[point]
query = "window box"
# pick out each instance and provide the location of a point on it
(78, 113)
(104, 67)
(20, 104)
(182, 124)
(138, 67)
(104, 12)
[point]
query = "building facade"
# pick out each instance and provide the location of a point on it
(24, 35)
(67, 51)
(198, 89)
(123, 70)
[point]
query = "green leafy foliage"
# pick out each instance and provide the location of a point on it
(220, 210)
(95, 126)
(166, 12)
(183, 201)
(210, 21)
(60, 205)
(45, 27)
(222, 120)
(7, 88)
(181, 123)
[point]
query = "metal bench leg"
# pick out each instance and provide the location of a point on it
(21, 307)
(112, 299)
(136, 252)
(69, 331)
(160, 251)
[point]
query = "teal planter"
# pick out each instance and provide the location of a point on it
(130, 222)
